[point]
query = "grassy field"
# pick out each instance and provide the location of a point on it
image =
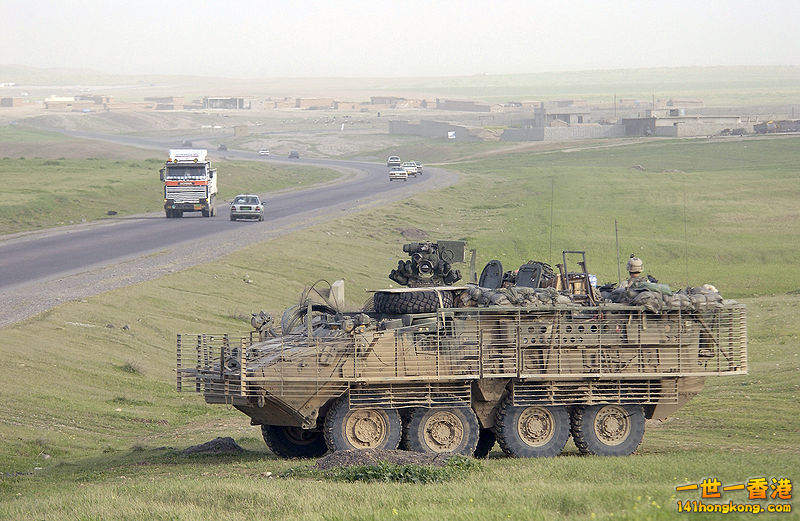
(41, 193)
(94, 407)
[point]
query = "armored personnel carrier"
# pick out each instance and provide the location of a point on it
(527, 358)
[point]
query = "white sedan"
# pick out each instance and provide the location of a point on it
(410, 167)
(398, 172)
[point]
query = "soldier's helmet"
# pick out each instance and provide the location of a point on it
(635, 265)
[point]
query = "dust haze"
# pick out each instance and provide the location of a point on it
(274, 39)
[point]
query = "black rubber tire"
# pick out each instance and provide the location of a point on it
(585, 436)
(411, 301)
(486, 439)
(507, 429)
(414, 431)
(169, 213)
(233, 218)
(294, 442)
(336, 422)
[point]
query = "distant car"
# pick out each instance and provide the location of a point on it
(294, 154)
(186, 143)
(222, 148)
(393, 161)
(247, 206)
(263, 152)
(398, 173)
(410, 167)
(419, 167)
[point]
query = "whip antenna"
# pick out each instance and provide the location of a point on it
(685, 239)
(552, 196)
(616, 236)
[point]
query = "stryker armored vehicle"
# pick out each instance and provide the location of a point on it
(527, 358)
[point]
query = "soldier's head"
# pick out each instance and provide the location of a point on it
(635, 266)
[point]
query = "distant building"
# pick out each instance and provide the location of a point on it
(314, 103)
(388, 101)
(167, 103)
(12, 102)
(462, 105)
(80, 103)
(230, 103)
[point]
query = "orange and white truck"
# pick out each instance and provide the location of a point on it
(190, 184)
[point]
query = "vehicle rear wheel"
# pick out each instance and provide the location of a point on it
(206, 212)
(294, 442)
(411, 301)
(169, 214)
(453, 429)
(608, 430)
(375, 428)
(233, 218)
(531, 432)
(486, 440)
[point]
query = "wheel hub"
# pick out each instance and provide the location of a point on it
(536, 426)
(612, 425)
(365, 429)
(443, 432)
(301, 436)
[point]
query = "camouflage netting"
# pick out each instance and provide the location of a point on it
(475, 295)
(653, 297)
(658, 297)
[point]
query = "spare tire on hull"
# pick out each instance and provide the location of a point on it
(425, 301)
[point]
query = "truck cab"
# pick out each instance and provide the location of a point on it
(190, 184)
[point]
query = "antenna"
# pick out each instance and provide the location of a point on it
(619, 270)
(685, 240)
(552, 196)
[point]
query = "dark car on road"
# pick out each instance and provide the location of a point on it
(294, 154)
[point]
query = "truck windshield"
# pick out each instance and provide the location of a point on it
(185, 171)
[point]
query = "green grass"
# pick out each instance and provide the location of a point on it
(42, 193)
(101, 402)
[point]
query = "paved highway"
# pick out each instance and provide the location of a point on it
(41, 256)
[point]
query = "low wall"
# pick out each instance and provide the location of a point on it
(431, 129)
(563, 133)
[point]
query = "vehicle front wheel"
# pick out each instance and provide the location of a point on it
(294, 442)
(375, 428)
(608, 430)
(531, 432)
(453, 429)
(233, 218)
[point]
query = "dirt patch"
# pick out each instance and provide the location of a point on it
(351, 458)
(216, 446)
(414, 234)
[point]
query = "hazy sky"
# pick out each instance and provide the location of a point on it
(302, 38)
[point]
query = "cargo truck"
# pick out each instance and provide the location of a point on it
(190, 184)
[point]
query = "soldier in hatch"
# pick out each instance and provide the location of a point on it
(634, 267)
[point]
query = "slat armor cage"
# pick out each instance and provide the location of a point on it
(553, 355)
